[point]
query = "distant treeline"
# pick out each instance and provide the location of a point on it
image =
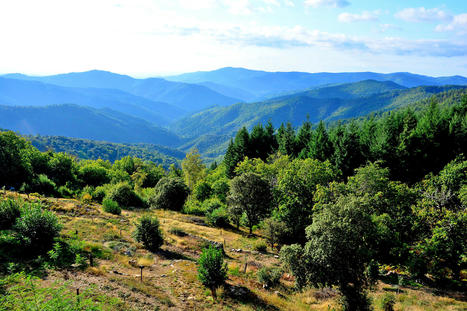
(93, 150)
(411, 142)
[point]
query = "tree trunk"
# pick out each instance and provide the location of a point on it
(213, 292)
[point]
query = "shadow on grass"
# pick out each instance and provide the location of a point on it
(171, 255)
(247, 297)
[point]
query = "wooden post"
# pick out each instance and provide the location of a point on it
(91, 260)
(246, 264)
(141, 267)
(77, 295)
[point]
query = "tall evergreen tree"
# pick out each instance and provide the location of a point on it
(320, 146)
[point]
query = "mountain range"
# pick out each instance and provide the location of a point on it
(201, 109)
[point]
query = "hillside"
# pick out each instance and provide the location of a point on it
(188, 97)
(329, 103)
(92, 150)
(14, 92)
(268, 84)
(169, 275)
(83, 122)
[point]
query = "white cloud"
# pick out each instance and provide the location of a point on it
(458, 24)
(387, 27)
(289, 3)
(422, 14)
(329, 3)
(364, 16)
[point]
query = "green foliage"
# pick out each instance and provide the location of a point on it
(269, 277)
(220, 188)
(148, 232)
(64, 253)
(9, 212)
(260, 246)
(43, 185)
(275, 231)
(218, 217)
(93, 174)
(36, 228)
(111, 207)
(193, 169)
(170, 193)
(251, 194)
(212, 271)
(202, 191)
(338, 251)
(15, 166)
(125, 196)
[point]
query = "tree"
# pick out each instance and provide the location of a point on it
(15, 167)
(320, 147)
(338, 251)
(303, 138)
(169, 193)
(296, 185)
(286, 139)
(275, 231)
(251, 194)
(125, 196)
(193, 168)
(212, 271)
(148, 232)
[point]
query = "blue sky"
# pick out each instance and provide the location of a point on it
(158, 37)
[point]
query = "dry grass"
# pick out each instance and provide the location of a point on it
(170, 276)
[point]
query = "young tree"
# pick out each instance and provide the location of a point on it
(252, 195)
(193, 168)
(148, 232)
(212, 271)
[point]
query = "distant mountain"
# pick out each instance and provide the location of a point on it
(83, 122)
(15, 92)
(268, 84)
(93, 150)
(188, 97)
(328, 104)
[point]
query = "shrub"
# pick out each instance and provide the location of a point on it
(111, 207)
(124, 195)
(218, 217)
(202, 191)
(212, 271)
(86, 198)
(212, 204)
(9, 212)
(387, 302)
(220, 188)
(193, 207)
(43, 185)
(37, 228)
(64, 254)
(169, 193)
(268, 276)
(149, 233)
(64, 192)
(100, 192)
(261, 247)
(275, 231)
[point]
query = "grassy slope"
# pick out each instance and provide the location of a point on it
(169, 276)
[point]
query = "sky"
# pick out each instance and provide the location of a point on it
(145, 38)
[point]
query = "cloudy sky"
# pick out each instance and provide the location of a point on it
(158, 37)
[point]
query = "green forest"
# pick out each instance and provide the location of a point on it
(338, 202)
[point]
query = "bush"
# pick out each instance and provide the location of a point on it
(9, 212)
(111, 207)
(193, 208)
(268, 276)
(220, 188)
(124, 195)
(100, 192)
(149, 233)
(202, 191)
(64, 192)
(218, 217)
(212, 271)
(387, 302)
(37, 228)
(64, 254)
(169, 193)
(43, 185)
(260, 247)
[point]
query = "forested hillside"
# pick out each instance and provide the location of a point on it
(357, 211)
(93, 150)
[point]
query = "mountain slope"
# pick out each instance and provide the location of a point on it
(267, 84)
(93, 150)
(295, 109)
(83, 122)
(189, 97)
(15, 92)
